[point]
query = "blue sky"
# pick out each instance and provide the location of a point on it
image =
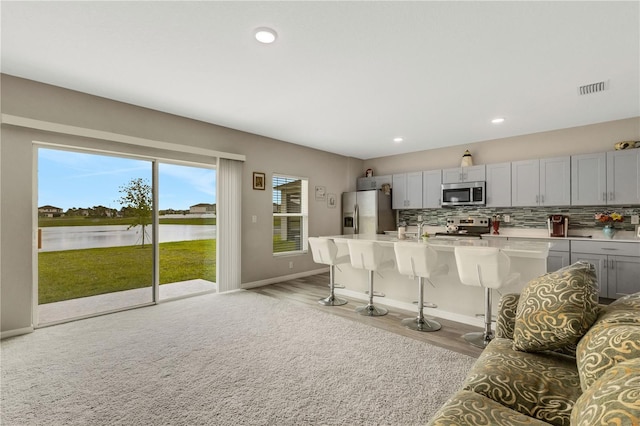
(70, 179)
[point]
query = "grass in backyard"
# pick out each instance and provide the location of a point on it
(71, 274)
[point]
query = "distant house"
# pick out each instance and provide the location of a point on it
(49, 211)
(202, 208)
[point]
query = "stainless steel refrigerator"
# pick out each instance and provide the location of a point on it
(367, 212)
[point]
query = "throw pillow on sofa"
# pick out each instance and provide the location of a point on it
(614, 338)
(556, 309)
(613, 399)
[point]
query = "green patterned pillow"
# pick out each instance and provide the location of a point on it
(614, 338)
(556, 309)
(614, 399)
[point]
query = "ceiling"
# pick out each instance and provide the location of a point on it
(344, 77)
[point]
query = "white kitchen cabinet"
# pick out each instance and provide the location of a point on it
(623, 177)
(544, 182)
(407, 191)
(431, 189)
(498, 185)
(525, 183)
(617, 265)
(589, 179)
(464, 174)
(605, 178)
(557, 260)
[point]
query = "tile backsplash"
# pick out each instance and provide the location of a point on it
(580, 217)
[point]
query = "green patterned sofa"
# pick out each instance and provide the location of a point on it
(558, 358)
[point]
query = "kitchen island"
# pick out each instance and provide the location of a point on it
(455, 301)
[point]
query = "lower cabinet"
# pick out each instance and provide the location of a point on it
(617, 265)
(558, 260)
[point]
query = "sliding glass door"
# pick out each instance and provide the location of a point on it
(104, 245)
(95, 242)
(187, 230)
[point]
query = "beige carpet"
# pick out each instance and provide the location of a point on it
(229, 359)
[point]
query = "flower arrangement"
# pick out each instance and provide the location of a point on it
(609, 217)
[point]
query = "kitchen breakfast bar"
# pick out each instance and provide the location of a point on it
(455, 301)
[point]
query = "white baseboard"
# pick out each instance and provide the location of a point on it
(279, 279)
(463, 319)
(16, 332)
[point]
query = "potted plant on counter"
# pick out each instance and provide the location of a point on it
(609, 218)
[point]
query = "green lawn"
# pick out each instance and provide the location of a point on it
(70, 274)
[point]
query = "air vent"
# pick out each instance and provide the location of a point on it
(588, 89)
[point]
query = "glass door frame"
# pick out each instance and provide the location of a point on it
(155, 225)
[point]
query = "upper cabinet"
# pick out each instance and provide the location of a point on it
(623, 177)
(499, 185)
(606, 178)
(589, 179)
(464, 174)
(544, 182)
(581, 180)
(431, 189)
(407, 191)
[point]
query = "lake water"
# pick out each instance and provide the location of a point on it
(82, 237)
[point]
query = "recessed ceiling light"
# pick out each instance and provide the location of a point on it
(265, 35)
(498, 120)
(398, 139)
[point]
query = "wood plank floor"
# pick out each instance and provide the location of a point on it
(308, 290)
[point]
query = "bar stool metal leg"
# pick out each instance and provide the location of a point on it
(421, 323)
(332, 300)
(370, 309)
(482, 339)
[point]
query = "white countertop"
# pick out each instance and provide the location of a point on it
(594, 234)
(513, 248)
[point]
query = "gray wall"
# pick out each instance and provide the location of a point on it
(52, 104)
(576, 140)
(337, 173)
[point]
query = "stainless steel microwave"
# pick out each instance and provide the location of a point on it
(464, 194)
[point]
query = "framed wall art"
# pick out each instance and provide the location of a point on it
(258, 180)
(321, 193)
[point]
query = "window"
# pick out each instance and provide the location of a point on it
(290, 214)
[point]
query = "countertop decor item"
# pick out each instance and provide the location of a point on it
(626, 144)
(467, 159)
(609, 218)
(495, 223)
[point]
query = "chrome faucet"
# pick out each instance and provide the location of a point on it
(420, 228)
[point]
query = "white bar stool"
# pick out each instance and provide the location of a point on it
(325, 251)
(485, 267)
(370, 256)
(419, 260)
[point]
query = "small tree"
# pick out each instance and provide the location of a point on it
(136, 202)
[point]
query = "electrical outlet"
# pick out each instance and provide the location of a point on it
(506, 218)
(635, 219)
(254, 218)
(290, 265)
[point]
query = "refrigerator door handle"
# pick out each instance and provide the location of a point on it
(356, 219)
